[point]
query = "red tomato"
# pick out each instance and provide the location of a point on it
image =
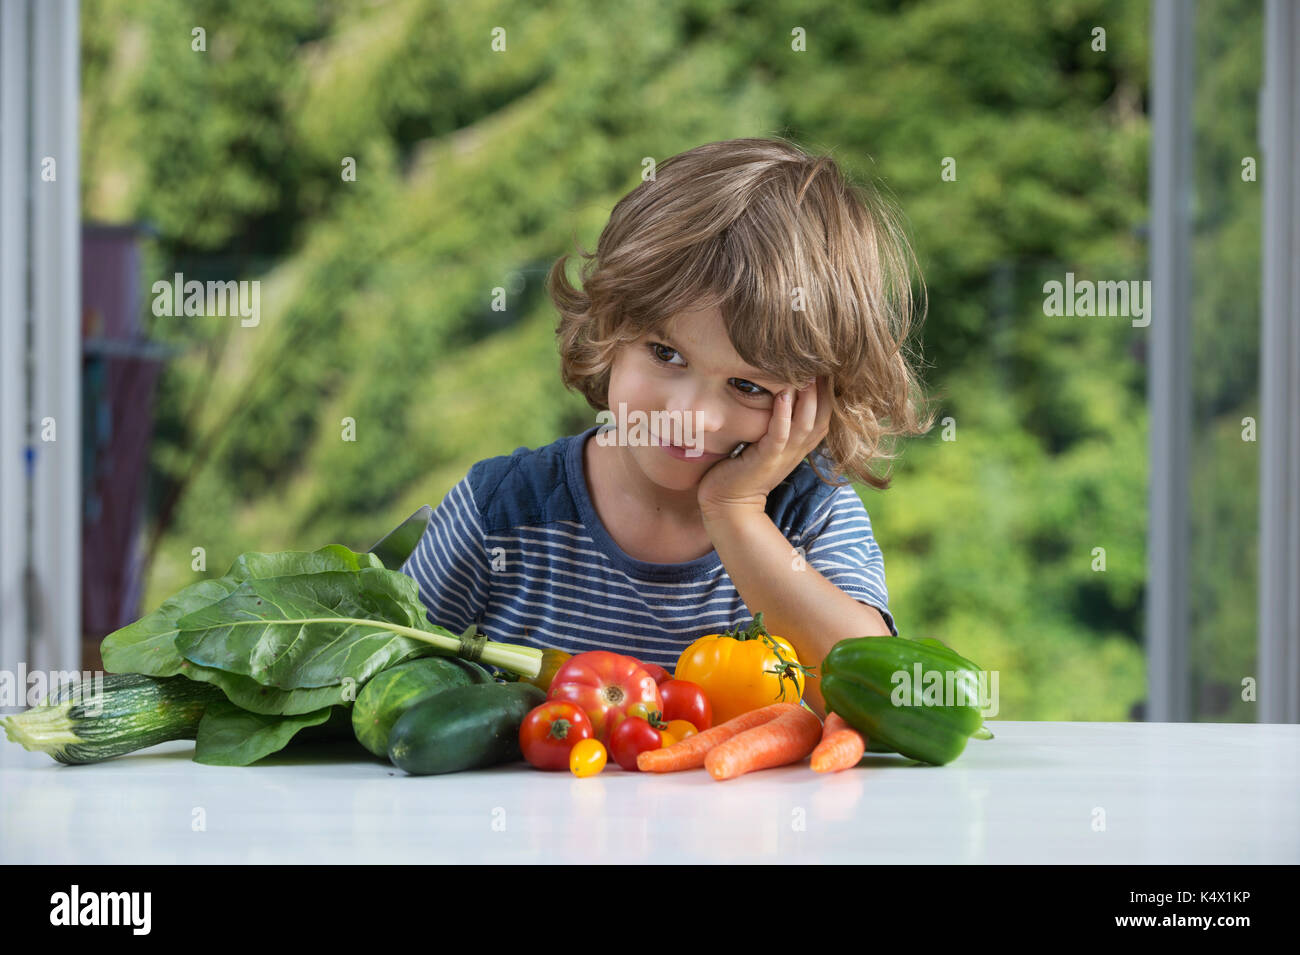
(658, 672)
(632, 736)
(604, 684)
(550, 731)
(684, 700)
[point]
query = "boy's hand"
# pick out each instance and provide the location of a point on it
(798, 425)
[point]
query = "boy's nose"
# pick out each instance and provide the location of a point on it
(700, 418)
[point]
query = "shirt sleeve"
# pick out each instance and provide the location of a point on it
(450, 563)
(839, 545)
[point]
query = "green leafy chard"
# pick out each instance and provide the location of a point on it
(289, 638)
(149, 645)
(289, 633)
(231, 736)
(294, 644)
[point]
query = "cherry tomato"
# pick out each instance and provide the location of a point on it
(681, 729)
(666, 739)
(604, 684)
(587, 758)
(550, 731)
(632, 736)
(684, 700)
(645, 711)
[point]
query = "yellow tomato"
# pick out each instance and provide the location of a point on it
(587, 758)
(666, 739)
(743, 670)
(681, 729)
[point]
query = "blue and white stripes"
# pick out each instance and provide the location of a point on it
(517, 548)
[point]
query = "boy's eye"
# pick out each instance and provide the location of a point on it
(658, 349)
(655, 351)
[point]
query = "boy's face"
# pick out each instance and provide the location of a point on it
(691, 369)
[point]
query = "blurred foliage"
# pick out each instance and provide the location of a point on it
(475, 170)
(1225, 297)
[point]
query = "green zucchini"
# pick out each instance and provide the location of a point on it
(858, 683)
(390, 693)
(80, 724)
(466, 727)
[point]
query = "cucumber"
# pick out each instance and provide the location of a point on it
(77, 724)
(466, 727)
(390, 693)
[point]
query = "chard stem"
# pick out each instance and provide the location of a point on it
(525, 661)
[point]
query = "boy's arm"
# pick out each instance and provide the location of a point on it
(797, 601)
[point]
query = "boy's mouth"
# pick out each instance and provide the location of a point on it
(680, 451)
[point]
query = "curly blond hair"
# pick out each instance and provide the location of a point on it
(809, 271)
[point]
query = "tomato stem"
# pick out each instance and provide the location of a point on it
(786, 669)
(755, 630)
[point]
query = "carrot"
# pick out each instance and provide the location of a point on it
(690, 752)
(834, 723)
(841, 746)
(787, 739)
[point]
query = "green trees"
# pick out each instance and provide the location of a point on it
(476, 165)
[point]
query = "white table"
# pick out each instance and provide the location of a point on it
(1206, 793)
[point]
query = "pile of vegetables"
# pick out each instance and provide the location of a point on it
(603, 704)
(331, 644)
(278, 647)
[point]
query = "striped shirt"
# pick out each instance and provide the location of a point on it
(516, 547)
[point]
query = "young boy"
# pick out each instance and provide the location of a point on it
(740, 331)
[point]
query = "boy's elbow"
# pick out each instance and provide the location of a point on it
(878, 626)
